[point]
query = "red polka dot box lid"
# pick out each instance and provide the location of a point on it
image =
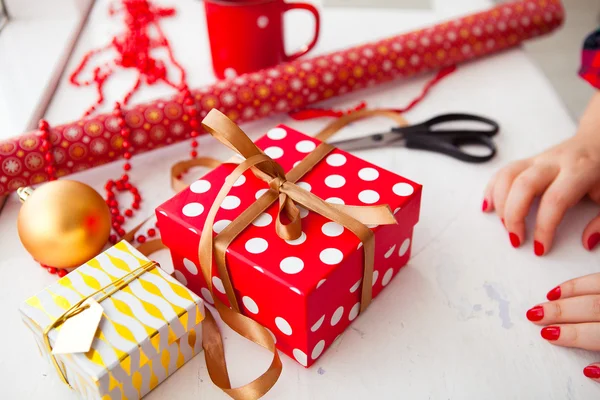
(306, 291)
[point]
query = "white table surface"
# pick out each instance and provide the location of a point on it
(452, 324)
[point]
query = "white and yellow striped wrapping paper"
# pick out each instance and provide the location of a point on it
(148, 330)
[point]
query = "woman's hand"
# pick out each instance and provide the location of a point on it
(562, 176)
(572, 317)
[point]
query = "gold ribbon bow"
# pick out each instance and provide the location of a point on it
(282, 187)
(79, 307)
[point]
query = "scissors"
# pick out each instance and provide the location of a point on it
(428, 136)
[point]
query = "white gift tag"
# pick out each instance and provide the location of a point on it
(77, 333)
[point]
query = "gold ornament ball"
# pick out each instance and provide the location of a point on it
(63, 224)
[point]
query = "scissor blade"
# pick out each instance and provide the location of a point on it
(369, 142)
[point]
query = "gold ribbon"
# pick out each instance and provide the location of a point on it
(79, 307)
(282, 188)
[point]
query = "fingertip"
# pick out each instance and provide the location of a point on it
(593, 240)
(535, 314)
(554, 294)
(550, 333)
(592, 371)
(514, 239)
(538, 248)
(485, 205)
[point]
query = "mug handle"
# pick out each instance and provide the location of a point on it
(308, 7)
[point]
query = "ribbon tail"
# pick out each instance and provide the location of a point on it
(214, 353)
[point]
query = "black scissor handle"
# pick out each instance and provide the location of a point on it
(449, 144)
(429, 125)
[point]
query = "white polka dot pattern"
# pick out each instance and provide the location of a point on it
(332, 229)
(256, 245)
(337, 315)
(305, 146)
(250, 304)
(190, 266)
(300, 357)
(200, 186)
(240, 181)
(404, 247)
(375, 276)
(181, 278)
(291, 265)
(318, 324)
(354, 311)
(303, 211)
(277, 134)
(260, 192)
(218, 284)
(403, 189)
(318, 350)
(220, 225)
(192, 209)
(274, 152)
(262, 21)
(368, 196)
(263, 219)
(389, 253)
(355, 287)
(207, 296)
(336, 160)
(387, 276)
(295, 290)
(322, 281)
(335, 181)
(259, 269)
(368, 174)
(331, 256)
(230, 202)
(283, 326)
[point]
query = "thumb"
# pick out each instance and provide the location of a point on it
(592, 371)
(591, 234)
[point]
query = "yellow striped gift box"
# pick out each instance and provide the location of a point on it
(149, 328)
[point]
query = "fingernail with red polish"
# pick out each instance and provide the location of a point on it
(535, 314)
(484, 206)
(538, 248)
(514, 240)
(592, 371)
(554, 294)
(551, 332)
(593, 240)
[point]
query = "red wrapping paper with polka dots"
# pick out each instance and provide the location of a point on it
(87, 143)
(305, 291)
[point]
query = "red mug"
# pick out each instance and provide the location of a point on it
(247, 35)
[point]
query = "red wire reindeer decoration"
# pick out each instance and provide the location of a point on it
(134, 48)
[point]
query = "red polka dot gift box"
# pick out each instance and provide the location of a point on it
(308, 290)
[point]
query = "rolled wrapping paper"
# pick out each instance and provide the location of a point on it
(95, 141)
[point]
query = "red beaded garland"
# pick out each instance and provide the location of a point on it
(122, 184)
(46, 149)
